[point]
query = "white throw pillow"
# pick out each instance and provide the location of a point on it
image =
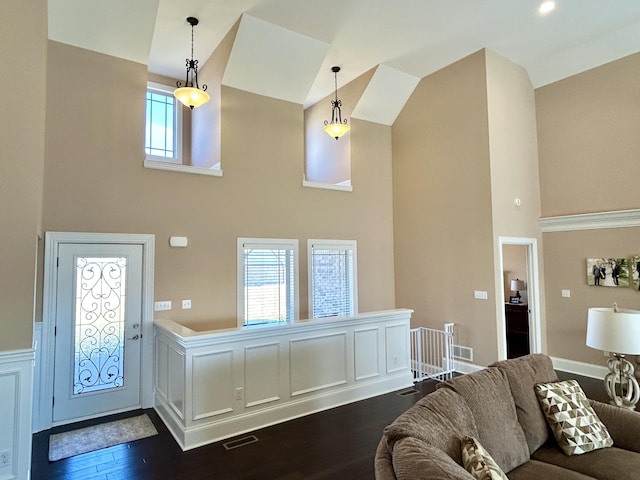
(477, 461)
(574, 423)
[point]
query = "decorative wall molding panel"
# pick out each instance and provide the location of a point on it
(213, 385)
(591, 221)
(16, 388)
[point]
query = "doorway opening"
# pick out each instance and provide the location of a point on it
(519, 307)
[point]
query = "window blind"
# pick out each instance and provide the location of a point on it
(332, 281)
(268, 282)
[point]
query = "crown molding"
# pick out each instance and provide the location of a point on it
(591, 221)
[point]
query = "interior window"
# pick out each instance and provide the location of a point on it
(163, 129)
(267, 281)
(332, 277)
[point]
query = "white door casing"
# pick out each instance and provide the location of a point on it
(533, 293)
(44, 404)
(98, 319)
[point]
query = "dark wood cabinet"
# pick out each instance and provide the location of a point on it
(517, 316)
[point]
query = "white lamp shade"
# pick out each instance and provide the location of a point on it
(517, 285)
(616, 332)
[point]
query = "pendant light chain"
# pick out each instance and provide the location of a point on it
(192, 41)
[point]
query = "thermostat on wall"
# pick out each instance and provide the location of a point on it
(178, 241)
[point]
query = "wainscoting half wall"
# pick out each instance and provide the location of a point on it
(16, 385)
(213, 385)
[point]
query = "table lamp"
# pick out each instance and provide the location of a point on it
(617, 331)
(516, 286)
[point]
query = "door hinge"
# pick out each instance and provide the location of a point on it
(53, 401)
(57, 262)
(55, 331)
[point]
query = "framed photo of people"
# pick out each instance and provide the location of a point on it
(611, 272)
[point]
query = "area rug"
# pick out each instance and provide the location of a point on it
(83, 440)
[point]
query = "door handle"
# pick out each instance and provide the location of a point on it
(135, 337)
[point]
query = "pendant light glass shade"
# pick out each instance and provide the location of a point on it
(337, 130)
(191, 95)
(336, 127)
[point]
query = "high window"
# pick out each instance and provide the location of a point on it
(332, 278)
(163, 128)
(267, 281)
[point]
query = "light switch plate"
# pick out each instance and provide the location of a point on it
(480, 294)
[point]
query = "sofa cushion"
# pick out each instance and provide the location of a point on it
(439, 419)
(535, 470)
(605, 464)
(575, 425)
(523, 373)
(489, 398)
(623, 425)
(477, 461)
(414, 459)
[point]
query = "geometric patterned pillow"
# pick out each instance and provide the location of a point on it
(574, 423)
(477, 461)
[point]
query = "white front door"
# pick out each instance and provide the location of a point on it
(98, 327)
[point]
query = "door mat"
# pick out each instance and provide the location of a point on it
(83, 440)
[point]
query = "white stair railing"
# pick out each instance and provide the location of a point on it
(431, 353)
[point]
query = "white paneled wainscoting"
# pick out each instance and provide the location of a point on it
(211, 385)
(16, 383)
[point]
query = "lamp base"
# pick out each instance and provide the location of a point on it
(621, 372)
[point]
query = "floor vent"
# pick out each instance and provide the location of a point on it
(463, 353)
(240, 442)
(406, 393)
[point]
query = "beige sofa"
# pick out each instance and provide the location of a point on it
(499, 407)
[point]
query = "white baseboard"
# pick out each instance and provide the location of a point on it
(16, 389)
(569, 366)
(580, 368)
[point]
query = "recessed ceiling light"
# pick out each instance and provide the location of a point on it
(547, 7)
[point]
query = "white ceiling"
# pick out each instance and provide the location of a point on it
(286, 48)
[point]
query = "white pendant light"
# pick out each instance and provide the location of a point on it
(336, 127)
(191, 95)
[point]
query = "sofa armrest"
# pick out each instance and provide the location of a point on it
(414, 459)
(623, 425)
(382, 463)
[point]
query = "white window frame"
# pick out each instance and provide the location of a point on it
(323, 244)
(178, 127)
(266, 243)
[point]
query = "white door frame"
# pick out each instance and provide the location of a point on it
(533, 295)
(52, 240)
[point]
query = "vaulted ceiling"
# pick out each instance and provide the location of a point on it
(285, 48)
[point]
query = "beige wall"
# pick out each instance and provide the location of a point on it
(566, 267)
(207, 119)
(23, 50)
(588, 140)
(513, 148)
(95, 181)
(514, 168)
(589, 149)
(442, 205)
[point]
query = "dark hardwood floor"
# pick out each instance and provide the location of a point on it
(336, 444)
